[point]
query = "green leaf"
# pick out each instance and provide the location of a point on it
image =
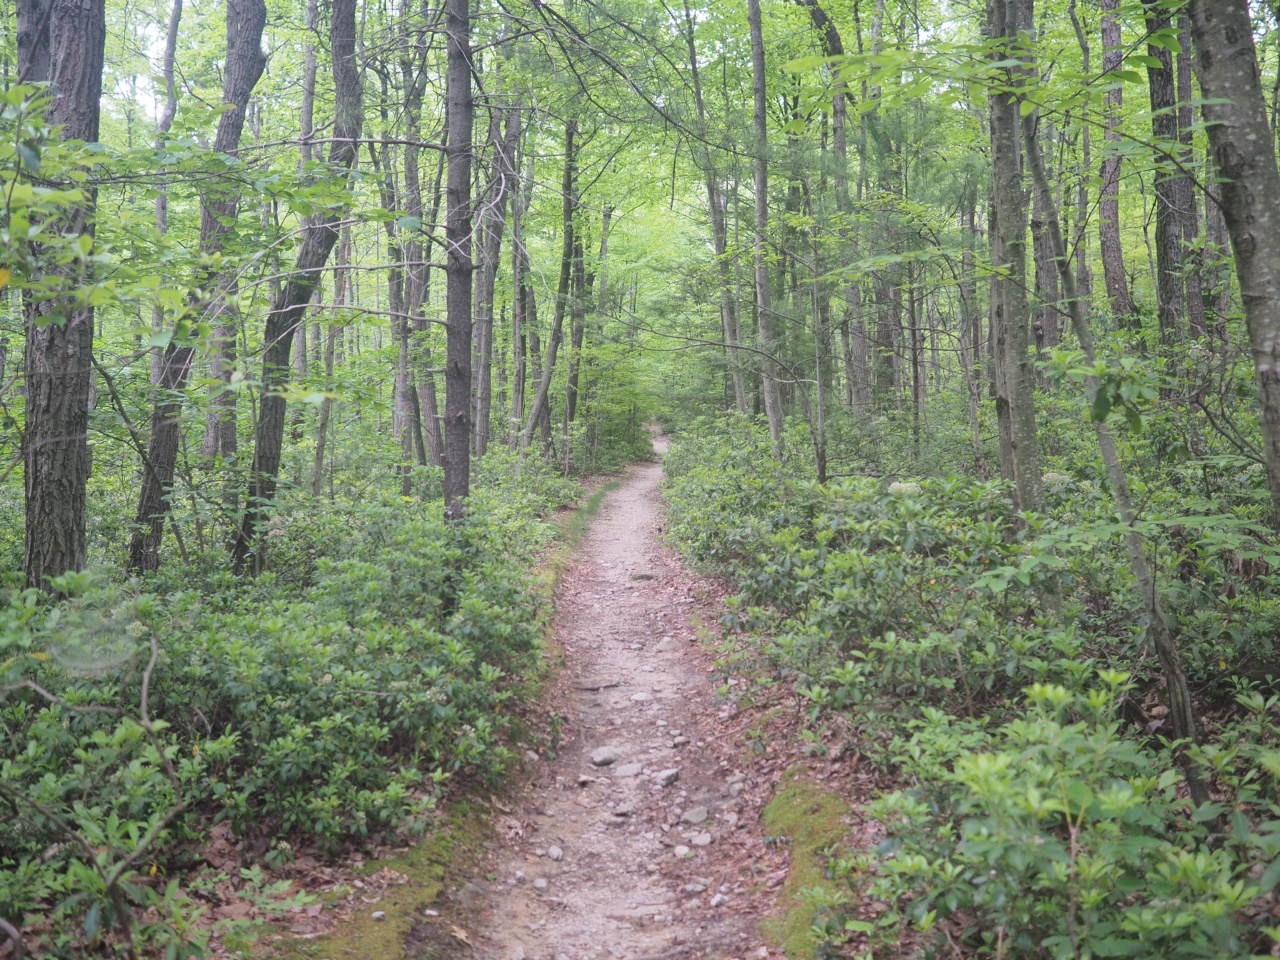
(409, 224)
(1026, 107)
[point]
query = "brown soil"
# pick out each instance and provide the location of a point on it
(604, 861)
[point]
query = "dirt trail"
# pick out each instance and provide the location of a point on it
(602, 860)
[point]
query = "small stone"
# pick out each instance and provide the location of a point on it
(665, 778)
(661, 723)
(555, 853)
(378, 915)
(623, 810)
(519, 876)
(518, 952)
(719, 900)
(540, 884)
(679, 741)
(681, 851)
(735, 789)
(736, 778)
(531, 756)
(694, 815)
(603, 756)
(666, 646)
(701, 840)
(642, 576)
(641, 697)
(694, 888)
(628, 770)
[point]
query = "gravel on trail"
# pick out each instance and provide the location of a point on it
(637, 841)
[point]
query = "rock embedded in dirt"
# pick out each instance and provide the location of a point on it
(679, 741)
(555, 853)
(719, 900)
(378, 915)
(628, 770)
(641, 697)
(701, 840)
(666, 646)
(681, 851)
(664, 778)
(603, 756)
(540, 884)
(695, 815)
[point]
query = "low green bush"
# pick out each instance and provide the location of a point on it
(998, 661)
(324, 701)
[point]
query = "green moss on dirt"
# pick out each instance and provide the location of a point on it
(812, 820)
(455, 841)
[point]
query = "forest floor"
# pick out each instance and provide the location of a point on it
(639, 840)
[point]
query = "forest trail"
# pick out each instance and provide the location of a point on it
(603, 860)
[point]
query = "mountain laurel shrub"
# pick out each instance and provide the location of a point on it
(324, 703)
(999, 660)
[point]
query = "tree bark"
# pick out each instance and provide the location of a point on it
(493, 219)
(569, 186)
(1244, 154)
(319, 237)
(61, 42)
(1181, 710)
(458, 265)
(1011, 221)
(243, 67)
(764, 304)
(1113, 273)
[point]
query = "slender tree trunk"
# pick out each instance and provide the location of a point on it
(1240, 137)
(242, 69)
(162, 130)
(719, 229)
(318, 239)
(61, 42)
(519, 298)
(501, 181)
(1109, 192)
(764, 303)
(540, 408)
(341, 281)
(458, 269)
(1172, 190)
(1181, 710)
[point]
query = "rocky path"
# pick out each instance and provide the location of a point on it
(637, 841)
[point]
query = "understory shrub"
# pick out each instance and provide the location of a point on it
(324, 701)
(998, 662)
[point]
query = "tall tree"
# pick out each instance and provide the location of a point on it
(242, 69)
(458, 265)
(764, 300)
(61, 43)
(319, 235)
(1235, 110)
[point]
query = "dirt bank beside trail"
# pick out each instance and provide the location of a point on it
(638, 840)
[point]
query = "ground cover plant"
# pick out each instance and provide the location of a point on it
(963, 647)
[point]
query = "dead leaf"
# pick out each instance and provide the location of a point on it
(460, 934)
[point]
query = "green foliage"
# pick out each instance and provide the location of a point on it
(997, 659)
(328, 703)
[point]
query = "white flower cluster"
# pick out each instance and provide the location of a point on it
(1057, 480)
(904, 488)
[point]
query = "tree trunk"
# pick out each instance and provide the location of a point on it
(719, 229)
(540, 410)
(60, 42)
(501, 180)
(1109, 192)
(1244, 154)
(1181, 711)
(318, 238)
(1011, 221)
(243, 67)
(458, 268)
(1172, 189)
(764, 304)
(162, 129)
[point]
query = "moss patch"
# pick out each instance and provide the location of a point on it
(812, 820)
(455, 841)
